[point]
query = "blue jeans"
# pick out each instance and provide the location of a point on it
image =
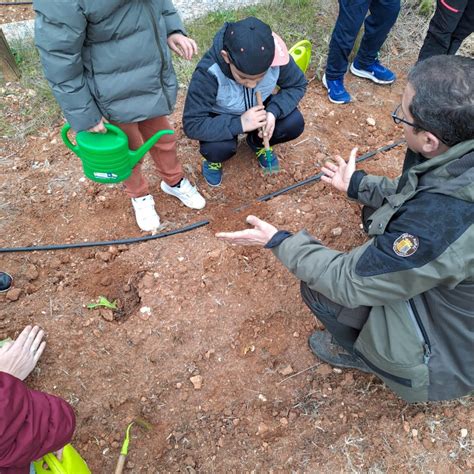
(286, 129)
(352, 13)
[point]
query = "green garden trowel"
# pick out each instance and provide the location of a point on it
(106, 157)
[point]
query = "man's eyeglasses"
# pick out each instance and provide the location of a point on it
(399, 120)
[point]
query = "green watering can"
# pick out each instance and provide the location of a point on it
(301, 53)
(106, 157)
(71, 463)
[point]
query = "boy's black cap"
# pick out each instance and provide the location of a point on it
(250, 45)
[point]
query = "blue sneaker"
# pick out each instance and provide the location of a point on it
(212, 172)
(268, 164)
(337, 93)
(375, 72)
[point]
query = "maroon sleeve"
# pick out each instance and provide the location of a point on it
(32, 423)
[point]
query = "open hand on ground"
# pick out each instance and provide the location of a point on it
(339, 175)
(259, 235)
(19, 358)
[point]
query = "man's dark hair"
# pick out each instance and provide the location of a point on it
(444, 97)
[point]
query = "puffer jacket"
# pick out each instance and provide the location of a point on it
(416, 273)
(108, 58)
(32, 424)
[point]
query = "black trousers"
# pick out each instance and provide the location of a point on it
(343, 323)
(286, 129)
(452, 22)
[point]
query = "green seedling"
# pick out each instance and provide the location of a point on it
(104, 303)
(5, 341)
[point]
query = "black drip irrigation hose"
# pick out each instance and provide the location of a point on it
(6, 4)
(190, 227)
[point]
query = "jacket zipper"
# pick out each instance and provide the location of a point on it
(421, 331)
(160, 49)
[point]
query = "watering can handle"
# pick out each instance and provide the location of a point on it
(66, 140)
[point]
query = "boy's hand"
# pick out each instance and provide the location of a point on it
(340, 175)
(269, 127)
(19, 358)
(253, 118)
(99, 128)
(182, 45)
(261, 234)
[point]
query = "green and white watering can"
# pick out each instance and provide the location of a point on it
(106, 157)
(71, 463)
(301, 53)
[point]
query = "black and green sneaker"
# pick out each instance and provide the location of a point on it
(212, 172)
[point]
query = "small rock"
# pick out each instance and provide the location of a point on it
(32, 273)
(262, 429)
(148, 281)
(336, 231)
(463, 433)
(287, 370)
(197, 382)
(106, 280)
(145, 313)
(296, 334)
(113, 250)
(104, 256)
(371, 121)
(179, 385)
(189, 461)
(55, 263)
(284, 421)
(107, 314)
(324, 369)
(307, 207)
(13, 294)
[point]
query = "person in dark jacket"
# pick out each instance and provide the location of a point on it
(32, 423)
(111, 59)
(452, 23)
(245, 58)
(401, 305)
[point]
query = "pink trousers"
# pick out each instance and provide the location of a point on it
(163, 154)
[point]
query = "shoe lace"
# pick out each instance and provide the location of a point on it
(261, 152)
(214, 166)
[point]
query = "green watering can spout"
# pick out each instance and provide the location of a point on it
(106, 157)
(137, 155)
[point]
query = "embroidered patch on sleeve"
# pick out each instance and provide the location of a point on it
(406, 245)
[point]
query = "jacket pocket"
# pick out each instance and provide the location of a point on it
(392, 345)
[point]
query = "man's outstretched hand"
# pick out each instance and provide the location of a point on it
(19, 358)
(339, 175)
(261, 233)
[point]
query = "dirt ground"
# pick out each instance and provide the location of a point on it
(208, 350)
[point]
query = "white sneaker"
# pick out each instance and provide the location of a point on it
(145, 214)
(186, 193)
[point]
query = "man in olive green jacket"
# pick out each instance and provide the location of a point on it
(111, 59)
(401, 306)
